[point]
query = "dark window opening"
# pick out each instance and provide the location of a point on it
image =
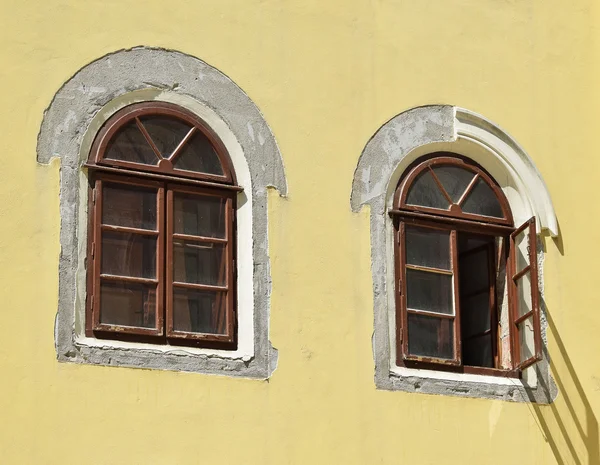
(477, 297)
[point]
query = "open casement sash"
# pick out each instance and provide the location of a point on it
(525, 328)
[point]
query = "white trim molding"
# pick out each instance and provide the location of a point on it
(474, 127)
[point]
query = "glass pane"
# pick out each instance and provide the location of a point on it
(199, 263)
(526, 339)
(125, 254)
(128, 304)
(199, 215)
(455, 180)
(477, 352)
(199, 311)
(428, 247)
(482, 201)
(522, 249)
(429, 291)
(165, 132)
(524, 304)
(129, 144)
(426, 193)
(199, 155)
(130, 206)
(474, 272)
(430, 337)
(475, 314)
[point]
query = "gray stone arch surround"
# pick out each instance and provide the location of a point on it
(64, 131)
(400, 141)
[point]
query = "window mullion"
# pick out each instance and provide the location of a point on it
(457, 335)
(401, 293)
(169, 262)
(229, 264)
(97, 248)
(493, 304)
(161, 259)
(91, 291)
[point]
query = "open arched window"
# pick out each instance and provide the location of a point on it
(461, 263)
(161, 256)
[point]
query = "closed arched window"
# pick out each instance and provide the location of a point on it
(459, 262)
(161, 257)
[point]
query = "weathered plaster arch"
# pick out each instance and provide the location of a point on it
(521, 168)
(78, 109)
(403, 139)
(388, 153)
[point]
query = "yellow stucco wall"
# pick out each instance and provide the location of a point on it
(326, 75)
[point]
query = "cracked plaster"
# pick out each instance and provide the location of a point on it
(68, 126)
(388, 153)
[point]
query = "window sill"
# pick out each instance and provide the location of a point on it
(105, 352)
(452, 376)
(238, 354)
(465, 384)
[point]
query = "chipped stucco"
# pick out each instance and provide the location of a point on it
(388, 153)
(69, 124)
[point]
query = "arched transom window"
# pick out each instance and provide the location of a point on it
(161, 259)
(463, 272)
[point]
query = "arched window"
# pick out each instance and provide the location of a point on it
(161, 257)
(459, 262)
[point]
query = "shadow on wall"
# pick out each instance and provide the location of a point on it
(568, 424)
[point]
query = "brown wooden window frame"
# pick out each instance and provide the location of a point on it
(453, 220)
(134, 113)
(167, 181)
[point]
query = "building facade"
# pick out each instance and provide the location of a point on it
(299, 232)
